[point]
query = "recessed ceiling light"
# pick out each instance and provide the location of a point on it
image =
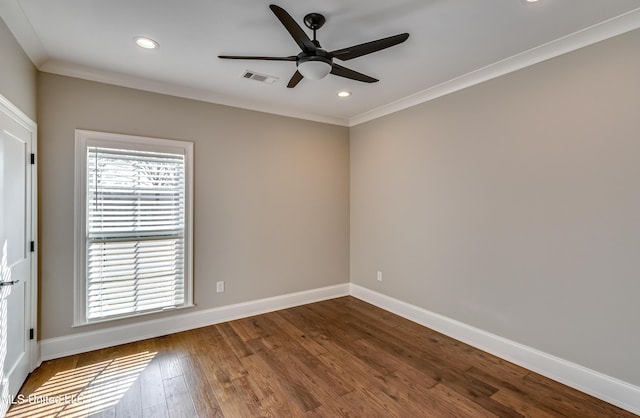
(344, 93)
(147, 43)
(530, 1)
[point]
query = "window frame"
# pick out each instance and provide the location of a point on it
(85, 139)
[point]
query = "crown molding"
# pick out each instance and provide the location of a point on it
(154, 86)
(580, 39)
(22, 29)
(15, 19)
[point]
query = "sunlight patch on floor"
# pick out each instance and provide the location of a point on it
(84, 390)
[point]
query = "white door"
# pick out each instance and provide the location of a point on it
(15, 259)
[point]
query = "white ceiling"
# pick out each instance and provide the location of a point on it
(452, 44)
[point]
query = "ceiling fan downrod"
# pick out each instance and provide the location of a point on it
(314, 21)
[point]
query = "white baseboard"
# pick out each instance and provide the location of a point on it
(601, 386)
(93, 340)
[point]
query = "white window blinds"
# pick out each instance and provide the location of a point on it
(135, 231)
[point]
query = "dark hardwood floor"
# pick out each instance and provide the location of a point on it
(338, 358)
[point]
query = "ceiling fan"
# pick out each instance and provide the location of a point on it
(314, 62)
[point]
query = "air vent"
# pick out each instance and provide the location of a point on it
(252, 75)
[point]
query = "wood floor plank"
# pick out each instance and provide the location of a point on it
(156, 411)
(325, 411)
(130, 404)
(568, 401)
(429, 401)
(250, 328)
(370, 403)
(388, 342)
(370, 354)
(292, 381)
(299, 353)
(337, 358)
(296, 334)
(212, 346)
(213, 363)
(179, 403)
(405, 351)
(202, 395)
(270, 388)
(371, 386)
(462, 406)
(311, 373)
(170, 365)
(106, 413)
(151, 387)
(525, 407)
(233, 340)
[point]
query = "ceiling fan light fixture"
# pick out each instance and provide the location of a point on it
(314, 69)
(146, 43)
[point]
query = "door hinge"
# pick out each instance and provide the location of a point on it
(31, 333)
(33, 158)
(32, 246)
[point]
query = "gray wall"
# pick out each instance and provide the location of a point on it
(18, 76)
(511, 206)
(514, 206)
(271, 193)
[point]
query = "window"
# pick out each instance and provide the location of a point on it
(133, 226)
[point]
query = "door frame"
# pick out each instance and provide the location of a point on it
(31, 320)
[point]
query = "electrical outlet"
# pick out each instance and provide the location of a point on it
(379, 276)
(220, 286)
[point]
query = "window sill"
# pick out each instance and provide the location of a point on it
(137, 315)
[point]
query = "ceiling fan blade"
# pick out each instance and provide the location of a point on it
(296, 32)
(250, 57)
(294, 80)
(341, 71)
(369, 47)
